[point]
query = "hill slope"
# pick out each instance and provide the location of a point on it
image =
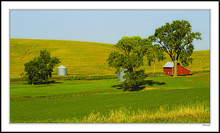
(81, 58)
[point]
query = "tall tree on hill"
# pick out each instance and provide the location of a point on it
(130, 57)
(176, 39)
(40, 69)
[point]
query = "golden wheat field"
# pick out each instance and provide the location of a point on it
(82, 58)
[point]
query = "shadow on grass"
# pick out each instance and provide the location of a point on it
(185, 75)
(141, 87)
(182, 75)
(151, 82)
(46, 83)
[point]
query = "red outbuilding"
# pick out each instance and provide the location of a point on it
(168, 69)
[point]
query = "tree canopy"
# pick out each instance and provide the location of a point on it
(130, 57)
(131, 51)
(40, 69)
(177, 41)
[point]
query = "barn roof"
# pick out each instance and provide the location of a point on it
(169, 64)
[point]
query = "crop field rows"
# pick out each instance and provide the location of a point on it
(83, 58)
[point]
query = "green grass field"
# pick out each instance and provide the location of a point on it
(97, 96)
(74, 101)
(82, 58)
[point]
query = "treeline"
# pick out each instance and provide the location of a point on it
(85, 77)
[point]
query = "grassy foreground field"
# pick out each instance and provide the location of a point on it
(82, 58)
(164, 99)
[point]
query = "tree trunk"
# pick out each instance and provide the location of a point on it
(154, 67)
(175, 68)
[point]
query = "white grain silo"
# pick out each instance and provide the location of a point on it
(121, 74)
(61, 70)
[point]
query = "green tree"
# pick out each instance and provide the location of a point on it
(129, 56)
(156, 53)
(176, 39)
(40, 69)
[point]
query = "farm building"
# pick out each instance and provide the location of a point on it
(61, 70)
(168, 69)
(121, 74)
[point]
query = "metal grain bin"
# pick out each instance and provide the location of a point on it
(121, 74)
(61, 70)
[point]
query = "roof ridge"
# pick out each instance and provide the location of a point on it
(61, 66)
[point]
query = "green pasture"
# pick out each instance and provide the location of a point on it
(77, 99)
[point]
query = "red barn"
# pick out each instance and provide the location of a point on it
(168, 69)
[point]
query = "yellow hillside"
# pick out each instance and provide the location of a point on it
(80, 58)
(83, 58)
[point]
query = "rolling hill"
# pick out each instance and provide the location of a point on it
(82, 58)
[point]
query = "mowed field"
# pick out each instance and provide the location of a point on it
(174, 100)
(82, 58)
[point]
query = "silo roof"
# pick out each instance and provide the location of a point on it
(61, 66)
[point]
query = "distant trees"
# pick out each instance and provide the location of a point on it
(176, 40)
(40, 69)
(130, 57)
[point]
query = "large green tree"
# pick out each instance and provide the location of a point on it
(130, 57)
(40, 69)
(176, 39)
